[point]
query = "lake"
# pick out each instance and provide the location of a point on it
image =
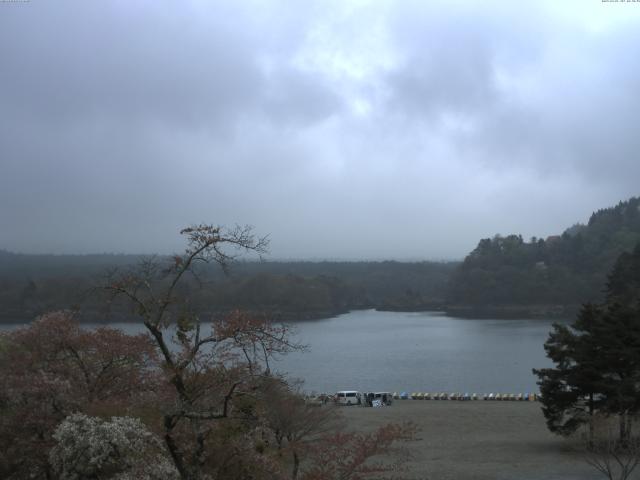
(368, 350)
(425, 352)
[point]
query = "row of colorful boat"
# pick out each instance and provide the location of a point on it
(515, 397)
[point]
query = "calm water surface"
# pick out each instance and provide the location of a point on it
(367, 350)
(428, 352)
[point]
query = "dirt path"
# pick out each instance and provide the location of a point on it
(479, 440)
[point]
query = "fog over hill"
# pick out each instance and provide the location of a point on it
(503, 276)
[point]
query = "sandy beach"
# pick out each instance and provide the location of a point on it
(479, 440)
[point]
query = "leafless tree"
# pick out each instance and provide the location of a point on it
(296, 425)
(615, 459)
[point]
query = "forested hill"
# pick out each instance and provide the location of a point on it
(33, 284)
(553, 274)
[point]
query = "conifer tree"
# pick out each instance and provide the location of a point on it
(597, 358)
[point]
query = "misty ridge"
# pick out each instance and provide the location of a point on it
(504, 276)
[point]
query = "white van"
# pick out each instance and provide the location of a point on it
(348, 397)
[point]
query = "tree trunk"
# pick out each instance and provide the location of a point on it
(296, 465)
(624, 433)
(591, 426)
(174, 451)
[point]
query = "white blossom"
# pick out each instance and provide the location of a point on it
(119, 449)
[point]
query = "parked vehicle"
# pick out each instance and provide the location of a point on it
(385, 398)
(348, 397)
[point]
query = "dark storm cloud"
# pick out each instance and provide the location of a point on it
(343, 129)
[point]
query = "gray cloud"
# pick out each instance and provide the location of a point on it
(364, 130)
(521, 91)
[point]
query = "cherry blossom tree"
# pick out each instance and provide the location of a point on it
(121, 448)
(213, 370)
(53, 368)
(207, 403)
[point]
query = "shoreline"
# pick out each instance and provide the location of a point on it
(465, 312)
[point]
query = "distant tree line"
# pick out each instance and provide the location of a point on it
(33, 284)
(503, 275)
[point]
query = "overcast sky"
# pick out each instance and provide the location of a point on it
(344, 130)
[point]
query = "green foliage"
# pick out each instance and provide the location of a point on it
(597, 358)
(624, 283)
(567, 270)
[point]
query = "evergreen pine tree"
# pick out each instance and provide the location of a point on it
(597, 358)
